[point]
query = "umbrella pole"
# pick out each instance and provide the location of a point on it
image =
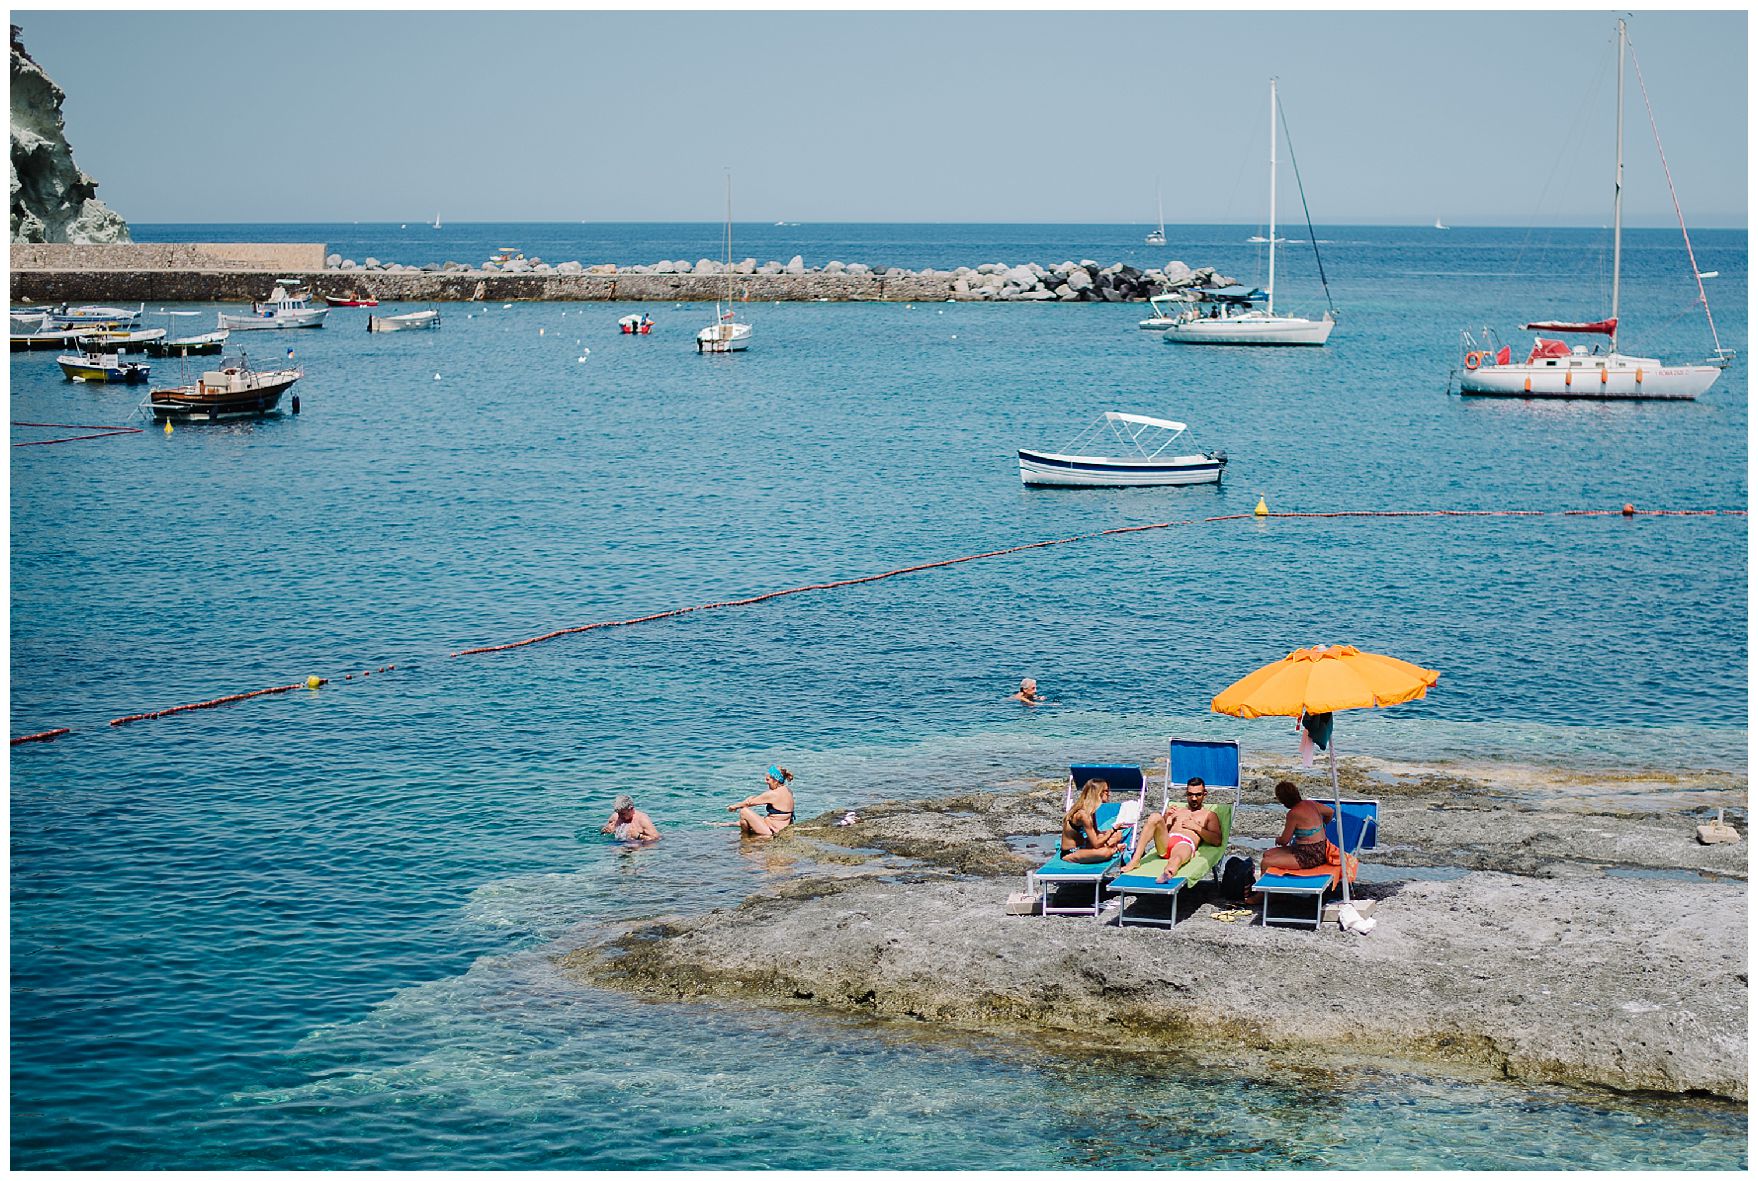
(1337, 803)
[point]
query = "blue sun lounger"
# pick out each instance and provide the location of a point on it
(1360, 824)
(1217, 765)
(1056, 874)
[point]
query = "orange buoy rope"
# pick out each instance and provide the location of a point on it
(226, 700)
(44, 736)
(919, 567)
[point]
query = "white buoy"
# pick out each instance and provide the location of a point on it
(436, 377)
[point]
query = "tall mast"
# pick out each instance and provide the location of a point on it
(1618, 194)
(1271, 293)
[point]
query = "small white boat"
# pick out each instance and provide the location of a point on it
(120, 339)
(288, 306)
(428, 318)
(1439, 225)
(91, 316)
(1140, 458)
(1158, 237)
(1168, 308)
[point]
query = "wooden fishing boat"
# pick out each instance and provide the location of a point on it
(233, 391)
(351, 301)
(200, 345)
(122, 340)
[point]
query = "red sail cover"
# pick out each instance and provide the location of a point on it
(1603, 327)
(1542, 348)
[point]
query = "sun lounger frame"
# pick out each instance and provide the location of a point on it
(1185, 757)
(1043, 882)
(1361, 816)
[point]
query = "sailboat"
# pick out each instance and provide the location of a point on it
(436, 221)
(1158, 237)
(726, 334)
(1236, 322)
(1555, 369)
(1441, 225)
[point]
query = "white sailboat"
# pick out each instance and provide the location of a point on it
(1240, 323)
(436, 221)
(1158, 237)
(1554, 369)
(726, 334)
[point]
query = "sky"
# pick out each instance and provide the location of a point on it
(1490, 118)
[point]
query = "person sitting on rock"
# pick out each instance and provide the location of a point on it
(1175, 833)
(1082, 840)
(627, 823)
(777, 801)
(1302, 844)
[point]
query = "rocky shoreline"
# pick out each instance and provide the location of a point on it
(1534, 938)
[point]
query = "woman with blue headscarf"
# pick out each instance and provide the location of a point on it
(776, 800)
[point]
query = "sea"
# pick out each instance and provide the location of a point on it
(318, 929)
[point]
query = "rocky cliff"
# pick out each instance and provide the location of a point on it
(52, 200)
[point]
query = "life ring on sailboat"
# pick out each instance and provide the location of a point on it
(1473, 360)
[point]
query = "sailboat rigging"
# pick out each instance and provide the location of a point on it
(726, 334)
(1233, 320)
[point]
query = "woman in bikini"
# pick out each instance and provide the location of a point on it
(776, 800)
(1302, 844)
(1082, 840)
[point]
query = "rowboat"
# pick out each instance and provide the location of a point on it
(102, 367)
(233, 391)
(427, 318)
(1139, 458)
(288, 306)
(351, 301)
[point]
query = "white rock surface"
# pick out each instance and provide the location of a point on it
(52, 200)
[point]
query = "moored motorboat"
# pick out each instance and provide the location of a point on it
(201, 344)
(90, 316)
(120, 339)
(288, 306)
(1555, 369)
(232, 391)
(1140, 458)
(351, 301)
(50, 338)
(633, 325)
(427, 318)
(102, 367)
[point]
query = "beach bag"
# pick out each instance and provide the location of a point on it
(1237, 875)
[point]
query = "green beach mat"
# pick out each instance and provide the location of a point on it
(1200, 865)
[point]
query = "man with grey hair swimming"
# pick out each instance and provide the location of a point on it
(627, 823)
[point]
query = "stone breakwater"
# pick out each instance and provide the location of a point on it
(197, 274)
(1535, 938)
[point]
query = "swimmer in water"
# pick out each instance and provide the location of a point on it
(628, 823)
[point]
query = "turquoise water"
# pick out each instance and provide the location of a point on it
(314, 930)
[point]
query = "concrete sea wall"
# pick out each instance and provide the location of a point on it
(239, 272)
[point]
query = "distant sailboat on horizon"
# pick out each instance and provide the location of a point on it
(436, 221)
(1440, 225)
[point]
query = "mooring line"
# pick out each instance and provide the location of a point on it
(127, 430)
(1264, 515)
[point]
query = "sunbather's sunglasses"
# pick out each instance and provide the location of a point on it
(1198, 792)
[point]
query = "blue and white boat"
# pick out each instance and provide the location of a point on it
(91, 316)
(1139, 459)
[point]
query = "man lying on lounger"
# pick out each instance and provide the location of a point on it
(1175, 833)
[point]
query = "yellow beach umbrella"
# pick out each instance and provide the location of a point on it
(1321, 680)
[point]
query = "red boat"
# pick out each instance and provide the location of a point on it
(351, 301)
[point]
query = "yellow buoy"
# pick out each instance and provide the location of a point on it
(1262, 509)
(313, 681)
(167, 426)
